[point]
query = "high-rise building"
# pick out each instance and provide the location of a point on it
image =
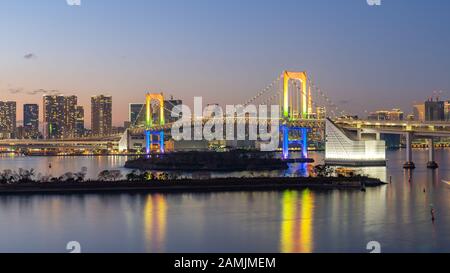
(60, 116)
(447, 110)
(7, 119)
(434, 110)
(54, 108)
(134, 110)
(70, 116)
(419, 112)
(79, 121)
(101, 115)
(31, 120)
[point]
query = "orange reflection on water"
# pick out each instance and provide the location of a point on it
(155, 222)
(297, 222)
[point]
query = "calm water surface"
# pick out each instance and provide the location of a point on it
(396, 215)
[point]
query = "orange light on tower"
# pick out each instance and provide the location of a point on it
(303, 78)
(149, 110)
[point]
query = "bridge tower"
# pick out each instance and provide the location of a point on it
(303, 107)
(154, 136)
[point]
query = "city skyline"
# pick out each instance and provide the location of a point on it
(79, 117)
(186, 127)
(198, 51)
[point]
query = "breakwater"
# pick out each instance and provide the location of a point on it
(192, 185)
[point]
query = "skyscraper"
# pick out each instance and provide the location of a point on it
(60, 116)
(70, 116)
(133, 112)
(447, 110)
(7, 119)
(31, 120)
(101, 115)
(419, 112)
(434, 111)
(79, 121)
(54, 118)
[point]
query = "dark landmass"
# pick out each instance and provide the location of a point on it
(192, 185)
(209, 161)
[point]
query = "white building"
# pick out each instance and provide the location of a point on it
(342, 149)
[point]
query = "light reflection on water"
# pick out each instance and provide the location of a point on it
(297, 222)
(396, 215)
(155, 223)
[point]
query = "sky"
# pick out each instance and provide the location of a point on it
(363, 57)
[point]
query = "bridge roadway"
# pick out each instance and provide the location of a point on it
(307, 123)
(410, 129)
(60, 143)
(419, 129)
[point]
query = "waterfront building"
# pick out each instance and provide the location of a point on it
(60, 116)
(79, 121)
(53, 109)
(343, 149)
(101, 115)
(393, 115)
(396, 115)
(447, 110)
(70, 116)
(8, 119)
(434, 110)
(378, 115)
(419, 112)
(31, 120)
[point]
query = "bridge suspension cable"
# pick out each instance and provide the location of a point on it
(332, 106)
(264, 91)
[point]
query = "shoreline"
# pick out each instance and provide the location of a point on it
(194, 185)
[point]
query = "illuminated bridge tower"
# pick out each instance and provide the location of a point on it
(297, 106)
(154, 133)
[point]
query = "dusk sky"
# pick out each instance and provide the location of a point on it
(363, 57)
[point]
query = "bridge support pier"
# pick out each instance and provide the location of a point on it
(149, 141)
(409, 164)
(378, 136)
(431, 162)
(286, 142)
(359, 134)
